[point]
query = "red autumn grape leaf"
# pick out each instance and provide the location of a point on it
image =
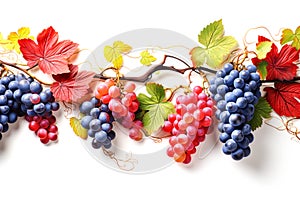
(262, 39)
(49, 54)
(281, 65)
(284, 99)
(71, 86)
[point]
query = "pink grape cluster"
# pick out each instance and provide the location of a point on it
(123, 104)
(189, 124)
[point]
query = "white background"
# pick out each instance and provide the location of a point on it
(30, 170)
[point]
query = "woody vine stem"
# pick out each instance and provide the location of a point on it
(147, 76)
(160, 67)
(4, 69)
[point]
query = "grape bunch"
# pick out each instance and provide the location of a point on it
(98, 121)
(110, 104)
(189, 124)
(123, 103)
(44, 127)
(236, 93)
(23, 96)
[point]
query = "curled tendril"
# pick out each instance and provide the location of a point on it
(130, 56)
(69, 107)
(156, 139)
(126, 164)
(205, 83)
(12, 56)
(117, 72)
(288, 124)
(247, 43)
(159, 139)
(240, 57)
(173, 47)
(173, 91)
(280, 127)
(206, 86)
(292, 128)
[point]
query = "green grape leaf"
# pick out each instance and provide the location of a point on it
(262, 110)
(263, 48)
(114, 53)
(216, 47)
(140, 114)
(262, 69)
(155, 106)
(77, 128)
(289, 36)
(146, 58)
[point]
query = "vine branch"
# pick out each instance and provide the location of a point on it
(26, 71)
(145, 77)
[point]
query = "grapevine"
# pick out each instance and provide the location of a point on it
(236, 86)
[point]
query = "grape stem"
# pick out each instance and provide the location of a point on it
(147, 76)
(279, 81)
(26, 71)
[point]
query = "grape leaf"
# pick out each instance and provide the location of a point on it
(262, 48)
(281, 65)
(13, 37)
(71, 86)
(262, 110)
(4, 43)
(49, 54)
(215, 48)
(147, 58)
(262, 69)
(288, 36)
(114, 53)
(118, 62)
(156, 107)
(284, 98)
(77, 128)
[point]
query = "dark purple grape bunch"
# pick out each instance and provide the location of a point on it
(23, 96)
(236, 92)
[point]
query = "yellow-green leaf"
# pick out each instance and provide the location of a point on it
(121, 47)
(154, 107)
(147, 58)
(211, 32)
(118, 62)
(23, 32)
(4, 43)
(216, 48)
(114, 53)
(2, 40)
(156, 115)
(77, 128)
(263, 48)
(289, 36)
(262, 69)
